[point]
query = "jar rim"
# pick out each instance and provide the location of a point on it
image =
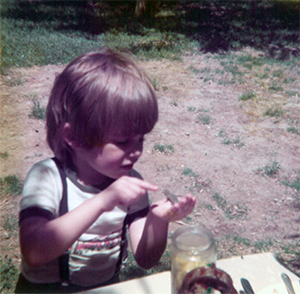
(206, 239)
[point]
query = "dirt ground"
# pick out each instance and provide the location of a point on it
(234, 195)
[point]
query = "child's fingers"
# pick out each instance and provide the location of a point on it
(144, 184)
(187, 201)
(184, 207)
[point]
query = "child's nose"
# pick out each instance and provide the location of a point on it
(136, 151)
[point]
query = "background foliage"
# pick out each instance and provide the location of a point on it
(50, 32)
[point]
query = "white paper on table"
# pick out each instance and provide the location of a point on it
(262, 270)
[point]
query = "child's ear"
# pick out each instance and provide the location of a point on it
(68, 135)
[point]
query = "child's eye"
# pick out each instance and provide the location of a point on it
(123, 142)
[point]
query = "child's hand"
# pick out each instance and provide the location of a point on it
(125, 191)
(165, 210)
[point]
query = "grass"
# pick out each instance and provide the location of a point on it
(188, 172)
(10, 185)
(237, 142)
(37, 112)
(191, 109)
(131, 270)
(4, 155)
(156, 45)
(55, 33)
(194, 70)
(164, 148)
(295, 183)
(286, 251)
(10, 223)
(205, 119)
(13, 82)
(9, 275)
(294, 129)
(270, 169)
(232, 211)
(221, 202)
(65, 32)
(274, 112)
(247, 96)
(51, 32)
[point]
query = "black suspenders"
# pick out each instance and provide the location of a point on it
(63, 208)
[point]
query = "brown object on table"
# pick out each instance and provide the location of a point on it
(200, 279)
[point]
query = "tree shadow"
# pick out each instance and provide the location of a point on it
(218, 26)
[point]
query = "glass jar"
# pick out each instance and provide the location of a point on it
(191, 247)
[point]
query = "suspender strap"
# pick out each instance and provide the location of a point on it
(123, 248)
(63, 208)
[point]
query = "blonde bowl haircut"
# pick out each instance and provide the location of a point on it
(99, 93)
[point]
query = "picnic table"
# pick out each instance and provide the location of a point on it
(262, 270)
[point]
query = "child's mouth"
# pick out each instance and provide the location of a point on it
(127, 167)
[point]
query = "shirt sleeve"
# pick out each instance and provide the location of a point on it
(42, 191)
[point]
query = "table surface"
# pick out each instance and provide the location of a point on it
(262, 270)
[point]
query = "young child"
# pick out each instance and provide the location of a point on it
(100, 108)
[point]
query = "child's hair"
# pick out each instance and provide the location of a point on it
(99, 93)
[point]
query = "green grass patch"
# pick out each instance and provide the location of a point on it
(41, 43)
(164, 148)
(191, 109)
(278, 73)
(4, 155)
(51, 32)
(287, 251)
(13, 82)
(37, 112)
(247, 96)
(151, 45)
(9, 275)
(248, 61)
(271, 169)
(130, 270)
(232, 211)
(194, 70)
(275, 87)
(294, 129)
(204, 119)
(293, 184)
(221, 202)
(10, 223)
(40, 46)
(274, 112)
(188, 172)
(237, 142)
(10, 185)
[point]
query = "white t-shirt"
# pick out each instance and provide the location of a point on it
(92, 258)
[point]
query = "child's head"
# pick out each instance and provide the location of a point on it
(97, 94)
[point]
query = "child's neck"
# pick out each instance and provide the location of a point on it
(99, 182)
(89, 177)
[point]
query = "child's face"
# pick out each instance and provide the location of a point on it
(113, 159)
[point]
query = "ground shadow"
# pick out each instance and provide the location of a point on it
(218, 26)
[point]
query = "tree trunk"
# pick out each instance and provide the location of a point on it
(140, 8)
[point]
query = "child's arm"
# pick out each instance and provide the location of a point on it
(148, 235)
(44, 240)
